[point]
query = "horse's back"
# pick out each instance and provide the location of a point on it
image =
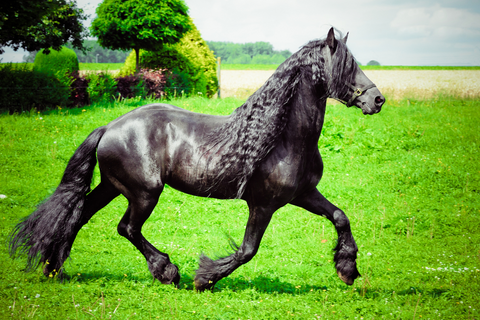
(158, 144)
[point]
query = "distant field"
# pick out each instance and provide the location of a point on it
(101, 66)
(396, 84)
(275, 66)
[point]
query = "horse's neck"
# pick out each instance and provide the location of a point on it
(307, 113)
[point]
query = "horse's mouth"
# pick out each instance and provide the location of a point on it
(368, 110)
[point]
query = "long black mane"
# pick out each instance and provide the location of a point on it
(252, 129)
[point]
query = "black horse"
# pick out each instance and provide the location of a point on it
(265, 152)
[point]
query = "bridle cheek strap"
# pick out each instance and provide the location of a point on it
(357, 92)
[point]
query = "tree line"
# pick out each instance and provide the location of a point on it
(248, 53)
(236, 53)
(93, 53)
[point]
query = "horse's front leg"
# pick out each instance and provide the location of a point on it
(211, 271)
(346, 249)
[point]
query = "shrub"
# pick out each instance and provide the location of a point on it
(130, 86)
(191, 55)
(178, 83)
(373, 63)
(22, 89)
(78, 93)
(154, 82)
(101, 87)
(64, 61)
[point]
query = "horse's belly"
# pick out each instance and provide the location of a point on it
(191, 172)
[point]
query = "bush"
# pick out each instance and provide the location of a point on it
(191, 55)
(64, 62)
(101, 87)
(22, 89)
(79, 94)
(178, 83)
(373, 63)
(130, 87)
(154, 82)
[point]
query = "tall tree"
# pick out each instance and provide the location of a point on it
(39, 24)
(147, 24)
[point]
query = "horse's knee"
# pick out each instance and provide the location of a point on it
(340, 220)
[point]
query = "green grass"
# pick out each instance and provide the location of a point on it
(26, 65)
(100, 66)
(408, 178)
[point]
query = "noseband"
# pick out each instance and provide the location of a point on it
(357, 92)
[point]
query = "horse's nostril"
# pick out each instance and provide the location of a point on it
(379, 100)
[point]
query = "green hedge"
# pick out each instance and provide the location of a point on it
(22, 89)
(63, 61)
(191, 64)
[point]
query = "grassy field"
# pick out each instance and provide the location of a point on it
(100, 66)
(408, 178)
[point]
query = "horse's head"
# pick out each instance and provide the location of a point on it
(345, 81)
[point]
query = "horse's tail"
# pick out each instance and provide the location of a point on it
(47, 234)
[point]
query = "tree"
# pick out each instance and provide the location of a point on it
(147, 24)
(248, 52)
(190, 64)
(258, 48)
(96, 53)
(373, 63)
(38, 24)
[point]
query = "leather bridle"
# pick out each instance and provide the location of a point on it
(357, 92)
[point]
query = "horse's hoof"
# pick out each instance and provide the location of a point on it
(170, 275)
(345, 279)
(202, 284)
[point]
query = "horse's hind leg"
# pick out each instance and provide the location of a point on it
(95, 200)
(139, 209)
(99, 198)
(346, 249)
(210, 271)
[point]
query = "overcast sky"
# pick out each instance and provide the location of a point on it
(393, 32)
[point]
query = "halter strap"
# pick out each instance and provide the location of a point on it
(357, 92)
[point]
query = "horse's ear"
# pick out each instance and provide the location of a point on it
(345, 38)
(331, 41)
